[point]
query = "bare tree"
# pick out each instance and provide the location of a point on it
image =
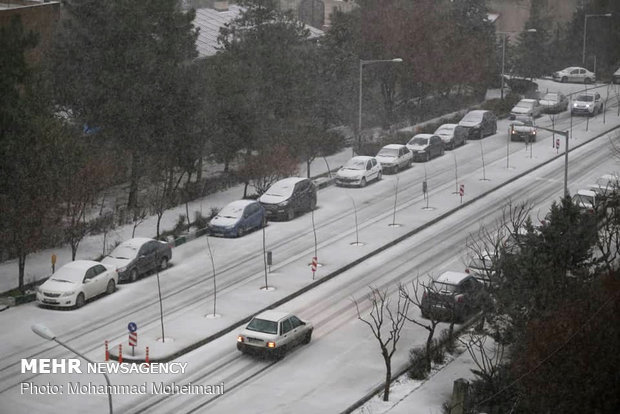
(386, 324)
(432, 319)
(488, 358)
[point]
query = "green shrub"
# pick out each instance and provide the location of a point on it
(418, 367)
(200, 221)
(501, 108)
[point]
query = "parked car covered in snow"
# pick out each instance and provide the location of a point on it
(359, 171)
(273, 333)
(289, 196)
(425, 146)
(554, 102)
(136, 257)
(394, 157)
(238, 218)
(479, 123)
(453, 135)
(453, 295)
(77, 282)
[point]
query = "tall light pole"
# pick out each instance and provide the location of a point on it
(45, 333)
(359, 119)
(585, 31)
(504, 34)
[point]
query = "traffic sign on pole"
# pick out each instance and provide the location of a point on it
(133, 338)
(132, 327)
(315, 263)
(462, 191)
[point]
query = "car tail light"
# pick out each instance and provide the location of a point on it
(271, 344)
(240, 338)
(467, 270)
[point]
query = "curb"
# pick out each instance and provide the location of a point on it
(373, 253)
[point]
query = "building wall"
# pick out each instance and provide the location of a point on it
(513, 14)
(39, 17)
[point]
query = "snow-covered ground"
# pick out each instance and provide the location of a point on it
(342, 363)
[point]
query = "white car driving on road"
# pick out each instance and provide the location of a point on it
(273, 333)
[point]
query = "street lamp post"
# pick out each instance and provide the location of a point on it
(585, 31)
(504, 35)
(45, 333)
(359, 119)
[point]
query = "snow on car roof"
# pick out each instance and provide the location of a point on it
(588, 193)
(240, 203)
(81, 264)
(393, 146)
(423, 135)
(289, 181)
(136, 242)
(451, 278)
(362, 158)
(272, 315)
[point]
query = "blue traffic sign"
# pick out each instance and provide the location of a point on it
(132, 327)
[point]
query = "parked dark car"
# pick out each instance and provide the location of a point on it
(136, 257)
(288, 197)
(453, 135)
(479, 123)
(425, 146)
(238, 218)
(452, 295)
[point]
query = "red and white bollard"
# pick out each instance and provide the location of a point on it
(146, 359)
(120, 353)
(107, 352)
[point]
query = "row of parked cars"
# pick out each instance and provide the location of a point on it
(580, 75)
(77, 282)
(361, 170)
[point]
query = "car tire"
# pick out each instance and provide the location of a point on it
(290, 214)
(379, 176)
(79, 301)
(363, 182)
(280, 353)
(111, 288)
(564, 79)
(587, 81)
(396, 169)
(163, 265)
(307, 338)
(240, 231)
(133, 276)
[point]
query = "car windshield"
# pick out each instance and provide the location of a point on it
(355, 164)
(583, 199)
(551, 97)
(264, 326)
(444, 287)
(523, 121)
(68, 274)
(585, 98)
(124, 252)
(281, 189)
(231, 211)
(524, 105)
(472, 117)
(445, 131)
(418, 141)
(388, 152)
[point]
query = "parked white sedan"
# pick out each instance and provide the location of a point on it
(574, 74)
(273, 333)
(358, 171)
(527, 107)
(76, 282)
(394, 157)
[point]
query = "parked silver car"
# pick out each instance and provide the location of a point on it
(574, 74)
(527, 107)
(394, 157)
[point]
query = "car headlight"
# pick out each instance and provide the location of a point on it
(121, 269)
(271, 344)
(283, 203)
(240, 338)
(69, 293)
